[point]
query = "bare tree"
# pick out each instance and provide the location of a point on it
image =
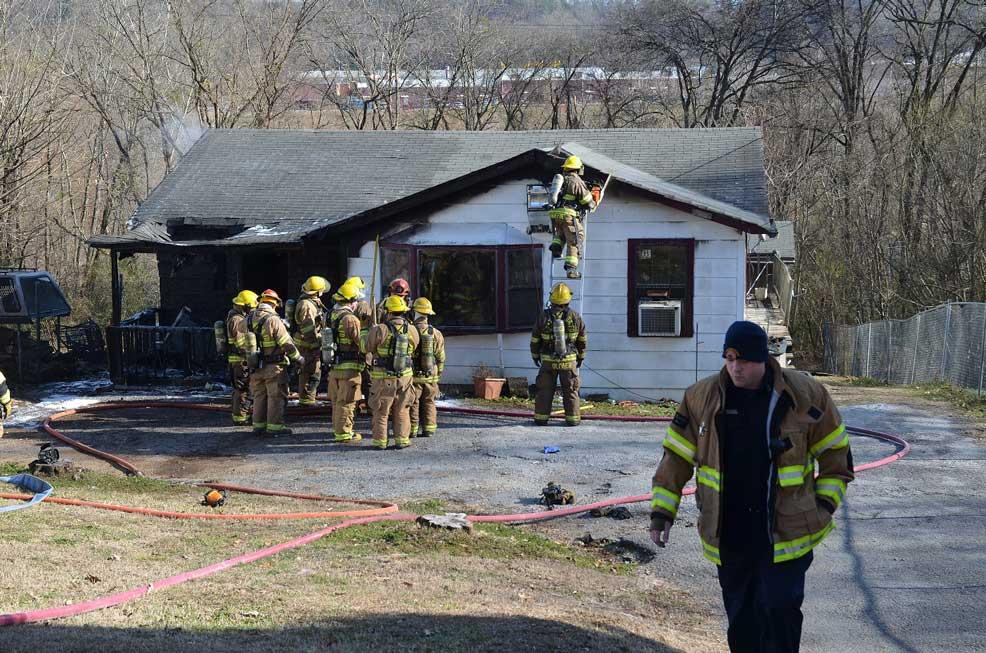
(720, 51)
(365, 51)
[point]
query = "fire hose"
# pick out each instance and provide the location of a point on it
(383, 511)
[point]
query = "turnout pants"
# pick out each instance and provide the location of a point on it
(423, 413)
(763, 602)
(241, 409)
(569, 231)
(269, 386)
(545, 392)
(390, 398)
(309, 376)
(344, 389)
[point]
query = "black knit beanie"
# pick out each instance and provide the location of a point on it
(748, 340)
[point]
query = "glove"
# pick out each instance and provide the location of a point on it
(5, 410)
(825, 505)
(299, 362)
(660, 527)
(537, 361)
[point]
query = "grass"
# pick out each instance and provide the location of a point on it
(665, 408)
(361, 589)
(488, 541)
(965, 400)
(855, 381)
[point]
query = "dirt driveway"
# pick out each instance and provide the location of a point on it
(904, 571)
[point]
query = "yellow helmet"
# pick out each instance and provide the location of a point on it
(395, 304)
(357, 282)
(422, 305)
(315, 285)
(572, 163)
(246, 298)
(561, 294)
(347, 292)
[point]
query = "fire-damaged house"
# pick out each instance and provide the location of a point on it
(461, 216)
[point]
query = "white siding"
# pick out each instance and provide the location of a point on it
(622, 366)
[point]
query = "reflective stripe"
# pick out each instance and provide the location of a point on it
(540, 416)
(283, 339)
(666, 500)
(711, 552)
(791, 475)
(833, 489)
(709, 477)
(793, 549)
(234, 358)
(275, 427)
(573, 419)
(572, 260)
(837, 439)
(680, 446)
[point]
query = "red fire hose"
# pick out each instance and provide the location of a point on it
(369, 516)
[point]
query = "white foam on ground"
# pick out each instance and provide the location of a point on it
(58, 397)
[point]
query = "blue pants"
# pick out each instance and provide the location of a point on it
(763, 602)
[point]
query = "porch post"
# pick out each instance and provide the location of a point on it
(116, 288)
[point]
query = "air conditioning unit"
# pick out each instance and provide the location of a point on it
(659, 318)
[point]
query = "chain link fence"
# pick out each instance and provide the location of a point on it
(944, 344)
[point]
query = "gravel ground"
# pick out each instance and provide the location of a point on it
(904, 570)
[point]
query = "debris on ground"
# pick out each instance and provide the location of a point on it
(613, 512)
(550, 449)
(450, 521)
(555, 495)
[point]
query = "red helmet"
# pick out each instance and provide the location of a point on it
(270, 296)
(400, 287)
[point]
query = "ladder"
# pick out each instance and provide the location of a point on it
(558, 273)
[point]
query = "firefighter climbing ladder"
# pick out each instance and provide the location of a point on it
(558, 272)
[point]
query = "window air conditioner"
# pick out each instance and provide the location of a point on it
(659, 318)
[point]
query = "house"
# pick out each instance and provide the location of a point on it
(770, 287)
(460, 215)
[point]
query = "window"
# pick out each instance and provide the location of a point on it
(459, 281)
(660, 285)
(494, 289)
(8, 296)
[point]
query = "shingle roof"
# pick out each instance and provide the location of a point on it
(675, 192)
(286, 183)
(783, 243)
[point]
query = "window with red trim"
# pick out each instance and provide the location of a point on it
(661, 273)
(474, 289)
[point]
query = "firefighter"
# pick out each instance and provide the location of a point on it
(348, 362)
(393, 344)
(269, 379)
(429, 363)
(6, 404)
(558, 345)
(239, 371)
(575, 201)
(309, 319)
(760, 521)
(364, 312)
(398, 287)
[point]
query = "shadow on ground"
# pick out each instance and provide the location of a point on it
(387, 632)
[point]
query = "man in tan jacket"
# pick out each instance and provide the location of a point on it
(349, 360)
(309, 320)
(269, 381)
(752, 436)
(393, 345)
(428, 367)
